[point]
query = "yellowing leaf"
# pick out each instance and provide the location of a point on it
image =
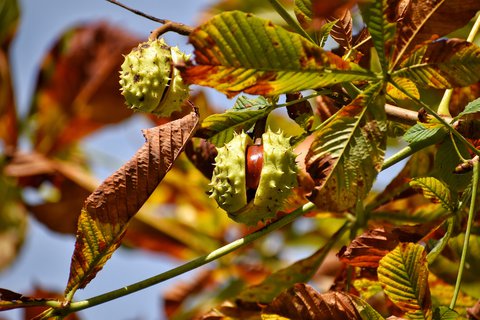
(407, 85)
(238, 52)
(107, 211)
(404, 275)
(348, 152)
(434, 190)
(443, 64)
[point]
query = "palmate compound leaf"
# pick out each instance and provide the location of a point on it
(404, 275)
(236, 51)
(219, 128)
(442, 64)
(303, 302)
(434, 190)
(347, 153)
(107, 211)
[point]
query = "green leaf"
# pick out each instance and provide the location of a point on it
(220, 128)
(446, 160)
(472, 107)
(444, 313)
(347, 153)
(421, 133)
(238, 52)
(404, 275)
(108, 210)
(324, 32)
(434, 190)
(442, 64)
(375, 14)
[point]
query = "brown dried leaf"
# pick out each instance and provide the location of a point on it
(303, 302)
(427, 20)
(342, 30)
(107, 211)
(367, 249)
(77, 89)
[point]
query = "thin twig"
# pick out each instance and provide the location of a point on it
(138, 12)
(169, 25)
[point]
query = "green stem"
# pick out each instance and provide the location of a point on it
(191, 265)
(439, 118)
(289, 19)
(471, 214)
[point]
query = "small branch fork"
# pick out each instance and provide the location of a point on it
(168, 25)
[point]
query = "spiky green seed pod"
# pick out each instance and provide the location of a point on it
(278, 176)
(149, 80)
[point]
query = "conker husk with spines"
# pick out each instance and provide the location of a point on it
(277, 178)
(150, 82)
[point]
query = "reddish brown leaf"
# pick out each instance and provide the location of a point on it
(367, 249)
(324, 9)
(342, 30)
(77, 89)
(303, 302)
(107, 211)
(426, 20)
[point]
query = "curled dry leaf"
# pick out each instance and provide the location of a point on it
(303, 302)
(107, 211)
(371, 246)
